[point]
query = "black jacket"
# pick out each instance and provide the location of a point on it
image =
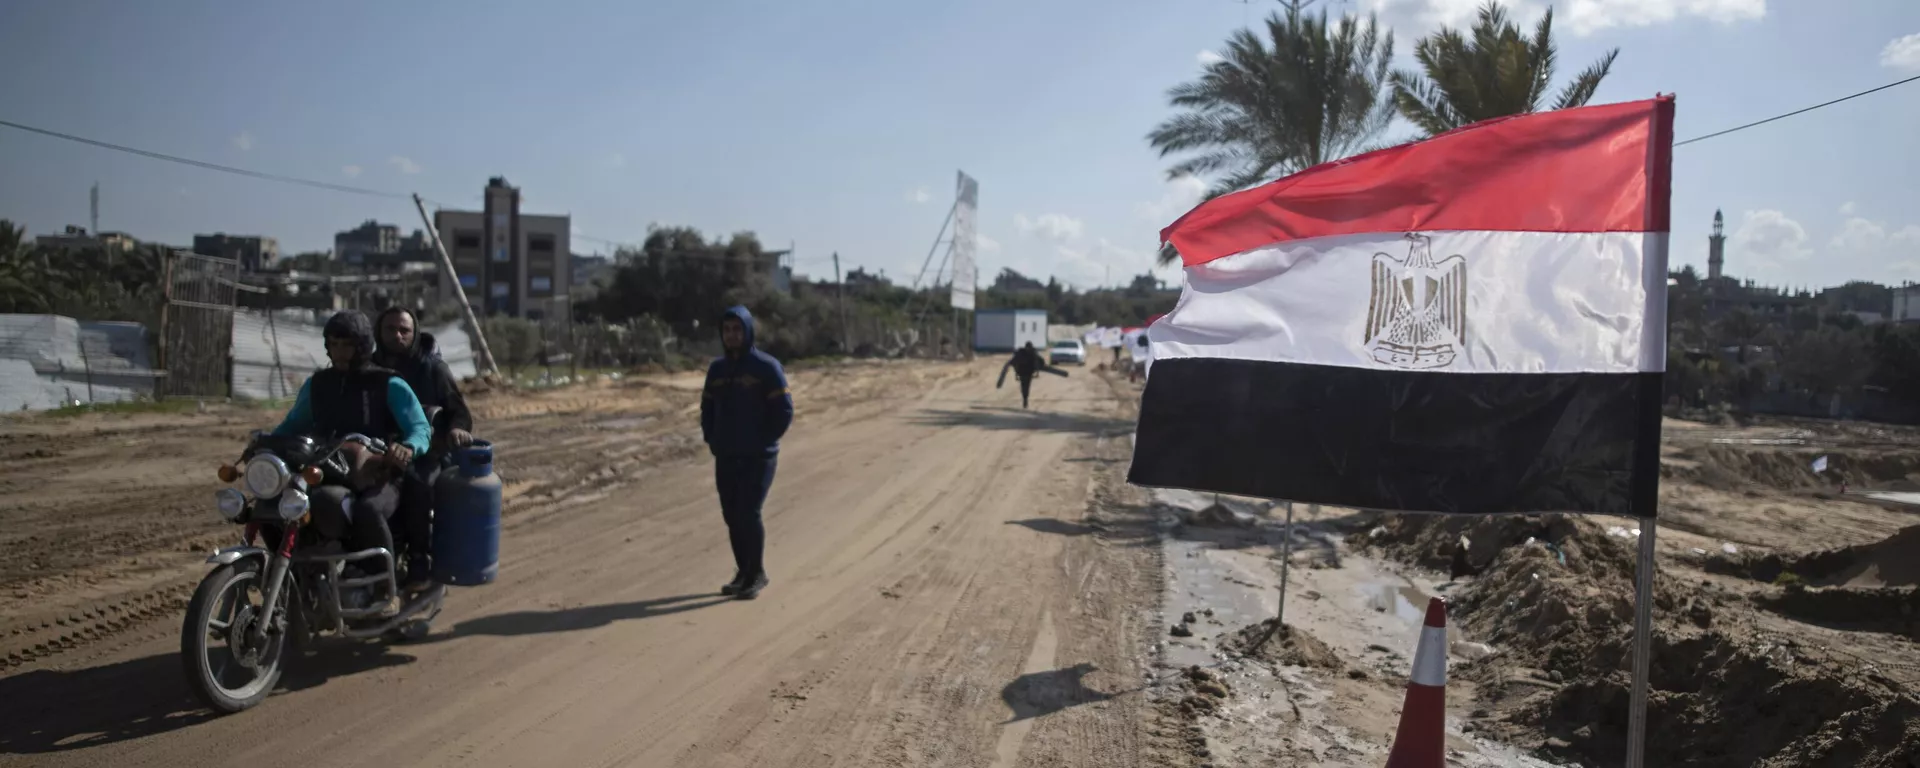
(1026, 362)
(431, 380)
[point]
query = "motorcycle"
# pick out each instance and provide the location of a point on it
(290, 581)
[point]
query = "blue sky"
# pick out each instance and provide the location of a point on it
(838, 126)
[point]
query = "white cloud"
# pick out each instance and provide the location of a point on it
(1848, 208)
(243, 142)
(984, 244)
(404, 165)
(1773, 249)
(1209, 58)
(919, 195)
(351, 171)
(1054, 226)
(1768, 240)
(1585, 17)
(1181, 195)
(1581, 17)
(1903, 53)
(1866, 249)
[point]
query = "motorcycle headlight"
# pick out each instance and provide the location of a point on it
(231, 502)
(266, 476)
(293, 504)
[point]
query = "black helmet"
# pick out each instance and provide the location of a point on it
(351, 324)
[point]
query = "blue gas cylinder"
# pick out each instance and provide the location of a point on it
(466, 519)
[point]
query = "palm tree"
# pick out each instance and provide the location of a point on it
(1494, 73)
(21, 278)
(1305, 92)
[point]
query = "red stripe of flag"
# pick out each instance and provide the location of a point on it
(1590, 169)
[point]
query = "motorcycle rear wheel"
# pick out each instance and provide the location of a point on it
(235, 677)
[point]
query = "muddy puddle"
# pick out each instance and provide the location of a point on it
(1225, 577)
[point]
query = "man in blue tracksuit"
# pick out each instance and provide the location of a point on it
(743, 414)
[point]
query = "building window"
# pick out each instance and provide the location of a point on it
(540, 244)
(542, 283)
(469, 281)
(500, 255)
(466, 240)
(500, 290)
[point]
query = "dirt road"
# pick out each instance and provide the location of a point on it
(933, 602)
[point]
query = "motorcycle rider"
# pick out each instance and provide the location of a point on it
(354, 396)
(411, 355)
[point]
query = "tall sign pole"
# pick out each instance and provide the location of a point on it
(965, 272)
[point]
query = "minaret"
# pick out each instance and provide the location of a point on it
(1716, 248)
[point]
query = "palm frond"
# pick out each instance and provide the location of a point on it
(1581, 90)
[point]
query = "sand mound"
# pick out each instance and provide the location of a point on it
(1721, 695)
(1890, 562)
(1290, 645)
(1733, 467)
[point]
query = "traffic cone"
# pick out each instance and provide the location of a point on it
(1421, 741)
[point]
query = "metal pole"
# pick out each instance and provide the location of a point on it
(1286, 561)
(846, 341)
(459, 293)
(1642, 648)
(936, 244)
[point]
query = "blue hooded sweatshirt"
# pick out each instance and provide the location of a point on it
(746, 407)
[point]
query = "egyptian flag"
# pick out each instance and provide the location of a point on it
(1474, 323)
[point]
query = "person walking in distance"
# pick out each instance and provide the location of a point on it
(1025, 363)
(744, 412)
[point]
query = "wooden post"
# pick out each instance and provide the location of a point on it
(485, 355)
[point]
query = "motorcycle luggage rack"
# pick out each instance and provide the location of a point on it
(430, 599)
(336, 562)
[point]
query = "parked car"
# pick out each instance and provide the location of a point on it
(1069, 351)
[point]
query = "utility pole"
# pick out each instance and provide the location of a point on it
(846, 344)
(446, 266)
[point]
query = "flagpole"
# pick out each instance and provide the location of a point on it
(1286, 559)
(1645, 491)
(1642, 648)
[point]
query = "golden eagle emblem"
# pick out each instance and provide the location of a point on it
(1417, 318)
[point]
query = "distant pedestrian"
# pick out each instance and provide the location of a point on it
(744, 412)
(1025, 363)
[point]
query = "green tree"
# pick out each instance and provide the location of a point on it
(22, 280)
(1491, 71)
(1300, 92)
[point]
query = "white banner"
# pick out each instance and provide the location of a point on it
(967, 199)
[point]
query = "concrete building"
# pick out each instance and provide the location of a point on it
(1906, 304)
(77, 238)
(255, 253)
(379, 249)
(510, 263)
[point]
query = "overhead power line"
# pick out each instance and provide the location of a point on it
(1796, 112)
(209, 166)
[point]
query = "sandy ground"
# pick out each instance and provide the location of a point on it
(930, 604)
(961, 582)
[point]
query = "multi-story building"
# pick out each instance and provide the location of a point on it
(77, 238)
(510, 263)
(255, 253)
(379, 249)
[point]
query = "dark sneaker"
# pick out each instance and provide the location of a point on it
(751, 590)
(732, 588)
(419, 575)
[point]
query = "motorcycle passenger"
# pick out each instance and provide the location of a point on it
(411, 355)
(354, 396)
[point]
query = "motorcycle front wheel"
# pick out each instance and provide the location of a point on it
(226, 670)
